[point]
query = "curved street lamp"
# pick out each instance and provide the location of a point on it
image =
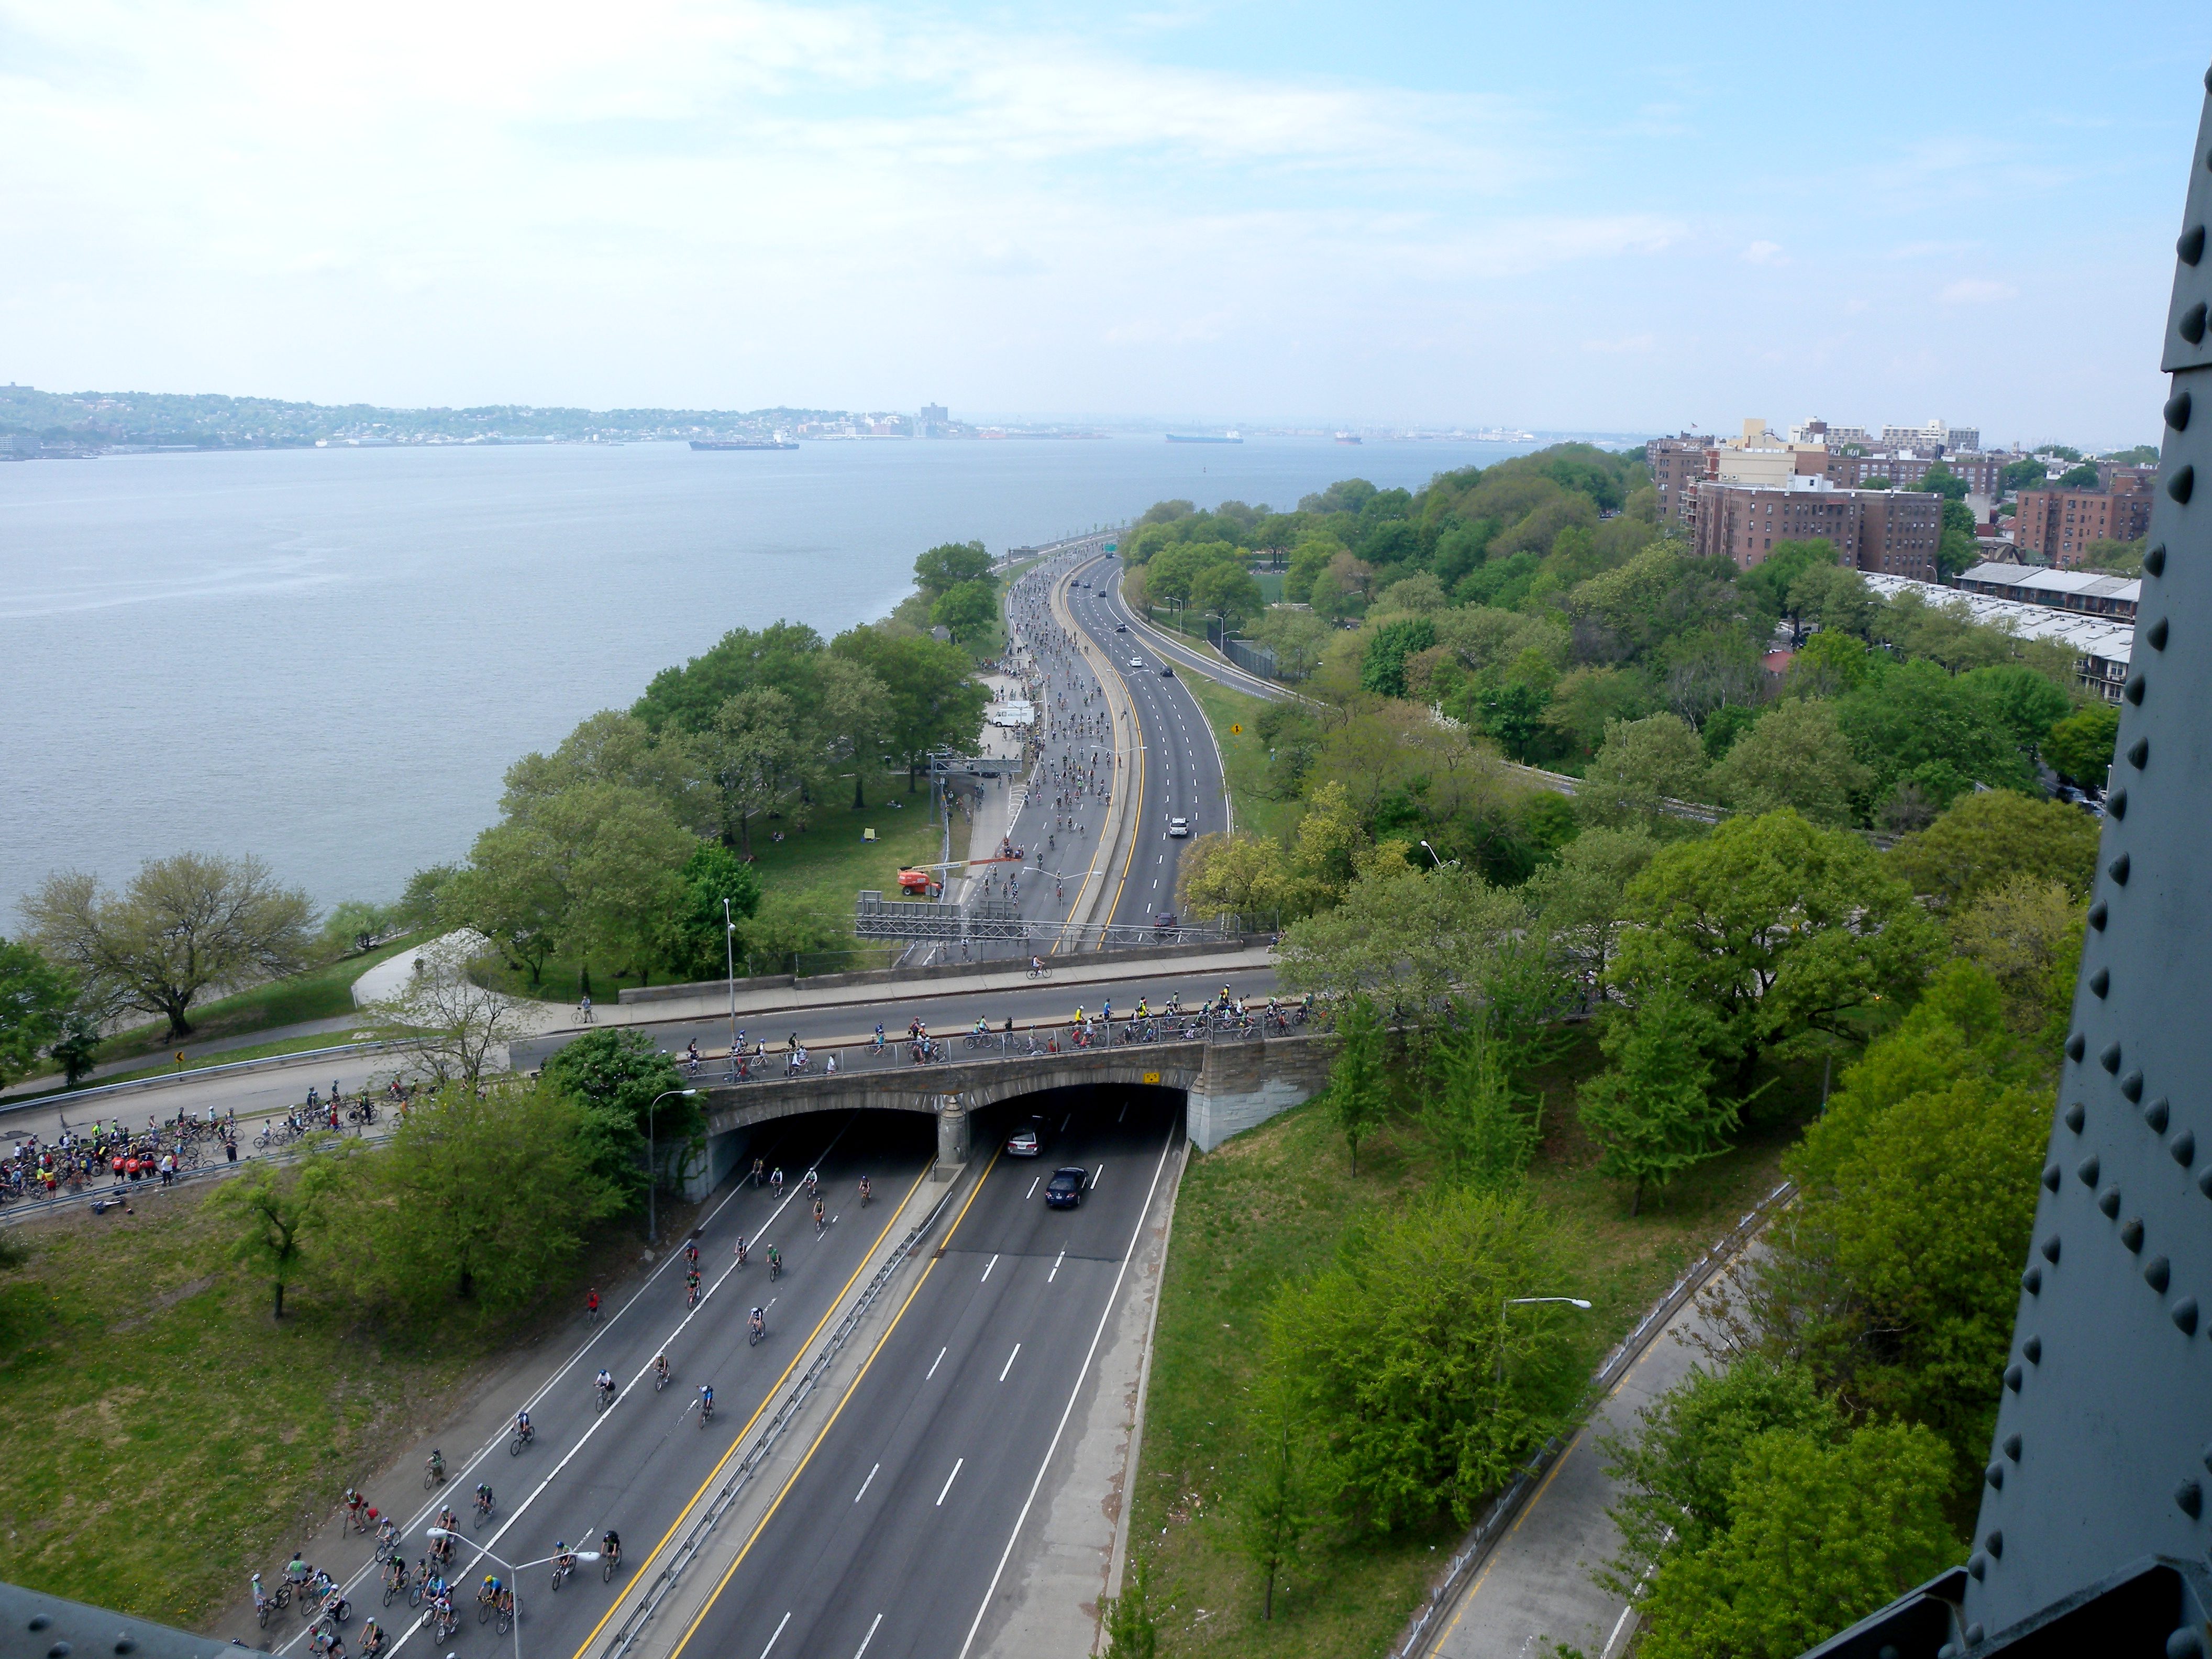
(652, 1169)
(1524, 1301)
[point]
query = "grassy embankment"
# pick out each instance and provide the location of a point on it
(1243, 756)
(1270, 1205)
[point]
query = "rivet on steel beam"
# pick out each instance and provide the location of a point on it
(2189, 1498)
(2183, 485)
(2134, 691)
(2077, 1046)
(2205, 1182)
(2154, 561)
(2032, 1281)
(2154, 1114)
(2116, 804)
(2109, 1200)
(2101, 981)
(2131, 1086)
(2051, 1249)
(1995, 1475)
(2051, 1177)
(2074, 1117)
(2097, 921)
(2158, 1273)
(1974, 1636)
(2139, 753)
(1978, 1565)
(2177, 406)
(2117, 869)
(2131, 1232)
(2013, 1377)
(2186, 1642)
(2012, 1448)
(2034, 1349)
(2184, 1316)
(2190, 327)
(2110, 1058)
(2156, 635)
(2184, 1148)
(2087, 1169)
(1994, 1544)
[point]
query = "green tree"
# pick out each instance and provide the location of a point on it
(1270, 1511)
(1132, 1630)
(1940, 480)
(2027, 474)
(2081, 745)
(1990, 838)
(2083, 476)
(485, 1195)
(1796, 757)
(1383, 664)
(183, 924)
(966, 610)
(933, 698)
(1424, 1390)
(1654, 1112)
(2026, 933)
(711, 876)
(753, 752)
(1229, 592)
(620, 852)
(36, 1000)
(1776, 928)
(948, 564)
(1480, 1132)
(77, 1048)
(1828, 665)
(616, 1076)
(1580, 896)
(273, 1212)
(1821, 1534)
(781, 656)
(1912, 719)
(511, 893)
(1357, 1090)
(1409, 941)
(2026, 702)
(1642, 765)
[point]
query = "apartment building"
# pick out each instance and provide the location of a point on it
(1932, 434)
(1678, 466)
(1892, 531)
(2056, 526)
(1904, 469)
(2079, 591)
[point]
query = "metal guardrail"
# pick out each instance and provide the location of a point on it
(665, 1582)
(1507, 1504)
(266, 1062)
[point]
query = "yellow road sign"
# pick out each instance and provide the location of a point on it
(1236, 730)
(1151, 1077)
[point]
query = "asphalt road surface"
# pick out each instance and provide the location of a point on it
(889, 1536)
(636, 1465)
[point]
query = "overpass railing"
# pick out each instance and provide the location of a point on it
(757, 1061)
(991, 921)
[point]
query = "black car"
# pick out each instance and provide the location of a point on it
(1065, 1190)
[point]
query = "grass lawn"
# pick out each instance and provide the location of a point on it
(1243, 755)
(1270, 1205)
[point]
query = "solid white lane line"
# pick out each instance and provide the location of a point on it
(987, 1271)
(865, 1484)
(1009, 1366)
(934, 1364)
(869, 1638)
(779, 1631)
(949, 1480)
(1056, 1261)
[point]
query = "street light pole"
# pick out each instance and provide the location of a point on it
(1429, 850)
(1523, 1302)
(652, 1168)
(730, 951)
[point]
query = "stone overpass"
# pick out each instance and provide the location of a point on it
(1229, 1084)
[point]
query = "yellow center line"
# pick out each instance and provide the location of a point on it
(859, 1376)
(766, 1400)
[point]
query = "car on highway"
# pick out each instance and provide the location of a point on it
(1178, 828)
(1121, 627)
(1167, 670)
(1028, 1140)
(1065, 1190)
(1136, 662)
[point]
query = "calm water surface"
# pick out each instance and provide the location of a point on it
(329, 657)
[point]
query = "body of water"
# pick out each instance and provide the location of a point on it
(329, 657)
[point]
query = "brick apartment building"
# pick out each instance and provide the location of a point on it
(1678, 466)
(1904, 469)
(2056, 526)
(1892, 532)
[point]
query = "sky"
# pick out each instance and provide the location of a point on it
(1621, 218)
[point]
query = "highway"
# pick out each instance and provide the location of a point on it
(890, 1536)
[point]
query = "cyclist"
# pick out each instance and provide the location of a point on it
(483, 1498)
(983, 1026)
(437, 1465)
(604, 1383)
(691, 1283)
(691, 1252)
(879, 1037)
(741, 1249)
(864, 1191)
(260, 1598)
(1143, 1011)
(611, 1545)
(707, 1398)
(813, 1180)
(760, 1165)
(1037, 966)
(372, 1639)
(591, 1304)
(387, 1534)
(776, 1181)
(817, 1215)
(564, 1558)
(522, 1429)
(775, 1261)
(490, 1594)
(296, 1572)
(660, 1367)
(757, 1322)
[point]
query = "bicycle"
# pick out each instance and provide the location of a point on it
(690, 1296)
(607, 1394)
(522, 1437)
(483, 1510)
(609, 1560)
(562, 1566)
(774, 1268)
(433, 1471)
(395, 1582)
(503, 1619)
(706, 1414)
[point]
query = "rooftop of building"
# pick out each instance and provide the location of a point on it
(2058, 584)
(2092, 636)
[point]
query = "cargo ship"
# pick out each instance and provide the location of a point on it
(742, 443)
(1206, 438)
(1347, 437)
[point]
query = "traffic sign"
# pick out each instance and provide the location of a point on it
(1236, 730)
